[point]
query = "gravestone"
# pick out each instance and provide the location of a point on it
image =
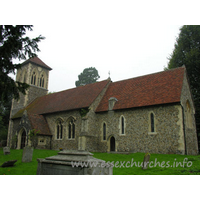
(27, 154)
(73, 162)
(6, 150)
(9, 163)
(146, 161)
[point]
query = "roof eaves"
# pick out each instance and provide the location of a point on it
(36, 63)
(49, 68)
(58, 111)
(117, 109)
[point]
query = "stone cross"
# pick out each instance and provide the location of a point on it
(146, 161)
(6, 150)
(27, 154)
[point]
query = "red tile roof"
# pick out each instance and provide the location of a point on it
(159, 88)
(154, 89)
(39, 123)
(76, 98)
(37, 61)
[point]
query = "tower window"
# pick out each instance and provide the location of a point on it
(33, 79)
(42, 81)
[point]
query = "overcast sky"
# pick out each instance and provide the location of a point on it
(126, 38)
(115, 45)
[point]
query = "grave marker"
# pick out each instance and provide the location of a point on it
(146, 161)
(9, 163)
(27, 154)
(6, 150)
(63, 164)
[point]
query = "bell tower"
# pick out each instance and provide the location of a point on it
(35, 73)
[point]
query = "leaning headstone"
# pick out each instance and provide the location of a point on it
(6, 150)
(146, 161)
(27, 154)
(9, 163)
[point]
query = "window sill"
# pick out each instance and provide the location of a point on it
(152, 133)
(41, 144)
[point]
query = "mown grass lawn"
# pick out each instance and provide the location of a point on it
(20, 168)
(124, 164)
(167, 162)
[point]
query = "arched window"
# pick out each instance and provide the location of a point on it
(59, 129)
(152, 122)
(71, 129)
(33, 79)
(42, 81)
(104, 131)
(122, 125)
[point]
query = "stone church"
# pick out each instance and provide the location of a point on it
(152, 113)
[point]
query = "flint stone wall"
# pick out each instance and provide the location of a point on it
(65, 142)
(168, 137)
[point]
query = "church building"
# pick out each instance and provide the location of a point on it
(153, 113)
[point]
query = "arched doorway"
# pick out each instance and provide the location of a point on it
(23, 139)
(112, 144)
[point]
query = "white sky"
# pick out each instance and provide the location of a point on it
(128, 39)
(124, 49)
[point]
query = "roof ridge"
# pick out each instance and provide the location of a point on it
(77, 87)
(36, 60)
(150, 74)
(71, 99)
(151, 89)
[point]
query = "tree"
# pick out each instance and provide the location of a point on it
(14, 45)
(89, 75)
(5, 108)
(3, 130)
(187, 52)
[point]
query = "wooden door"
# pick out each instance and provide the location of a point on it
(112, 144)
(23, 139)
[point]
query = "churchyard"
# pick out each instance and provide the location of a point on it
(123, 164)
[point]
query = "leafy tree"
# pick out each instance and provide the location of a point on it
(14, 44)
(187, 52)
(3, 130)
(4, 117)
(89, 75)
